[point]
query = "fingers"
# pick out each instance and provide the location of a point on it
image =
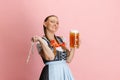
(35, 38)
(32, 39)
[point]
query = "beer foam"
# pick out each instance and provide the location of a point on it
(74, 31)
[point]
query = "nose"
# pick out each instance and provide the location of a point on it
(56, 24)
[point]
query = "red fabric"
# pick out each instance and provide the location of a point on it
(55, 44)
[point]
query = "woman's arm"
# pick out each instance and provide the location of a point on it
(72, 51)
(47, 52)
(70, 57)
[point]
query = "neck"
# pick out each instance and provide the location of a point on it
(50, 36)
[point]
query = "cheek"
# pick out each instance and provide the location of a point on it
(50, 25)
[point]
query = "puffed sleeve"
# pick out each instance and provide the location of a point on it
(39, 47)
(65, 41)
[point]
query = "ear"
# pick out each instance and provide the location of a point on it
(45, 24)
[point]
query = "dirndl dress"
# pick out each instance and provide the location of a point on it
(56, 69)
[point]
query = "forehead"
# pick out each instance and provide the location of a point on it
(53, 18)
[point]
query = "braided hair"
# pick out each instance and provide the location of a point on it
(54, 49)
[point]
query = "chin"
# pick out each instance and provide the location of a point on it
(55, 30)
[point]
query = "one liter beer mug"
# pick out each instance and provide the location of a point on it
(74, 39)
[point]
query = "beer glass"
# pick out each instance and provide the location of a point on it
(74, 39)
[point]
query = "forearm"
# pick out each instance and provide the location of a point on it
(70, 57)
(49, 55)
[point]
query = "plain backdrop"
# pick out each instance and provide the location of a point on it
(98, 22)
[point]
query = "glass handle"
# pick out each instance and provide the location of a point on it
(30, 52)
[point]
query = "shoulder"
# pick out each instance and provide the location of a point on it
(44, 40)
(61, 38)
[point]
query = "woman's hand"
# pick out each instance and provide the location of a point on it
(36, 38)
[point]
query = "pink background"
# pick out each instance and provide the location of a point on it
(98, 22)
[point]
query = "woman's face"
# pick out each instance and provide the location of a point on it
(52, 24)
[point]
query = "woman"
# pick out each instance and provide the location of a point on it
(53, 51)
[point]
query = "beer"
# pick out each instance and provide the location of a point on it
(74, 39)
